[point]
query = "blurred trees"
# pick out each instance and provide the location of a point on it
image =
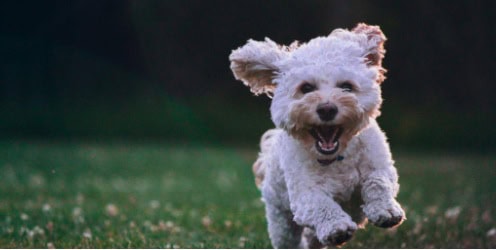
(85, 67)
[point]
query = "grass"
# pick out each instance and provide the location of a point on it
(151, 195)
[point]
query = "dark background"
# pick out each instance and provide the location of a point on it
(159, 70)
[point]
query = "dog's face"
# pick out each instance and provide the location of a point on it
(324, 92)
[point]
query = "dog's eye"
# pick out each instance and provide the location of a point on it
(346, 86)
(307, 88)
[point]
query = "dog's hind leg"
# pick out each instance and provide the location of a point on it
(283, 231)
(309, 239)
(264, 157)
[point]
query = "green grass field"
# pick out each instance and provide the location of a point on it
(152, 195)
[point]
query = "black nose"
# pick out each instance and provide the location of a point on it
(327, 111)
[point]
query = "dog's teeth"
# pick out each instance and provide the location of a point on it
(326, 147)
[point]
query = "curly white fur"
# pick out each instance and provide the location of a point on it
(315, 197)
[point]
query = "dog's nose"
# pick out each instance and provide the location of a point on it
(327, 111)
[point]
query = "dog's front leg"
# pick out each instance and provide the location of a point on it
(379, 180)
(379, 190)
(316, 209)
(380, 207)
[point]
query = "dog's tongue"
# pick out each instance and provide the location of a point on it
(326, 145)
(327, 137)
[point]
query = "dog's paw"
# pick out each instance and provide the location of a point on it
(336, 233)
(384, 214)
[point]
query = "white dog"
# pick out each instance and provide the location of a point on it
(327, 167)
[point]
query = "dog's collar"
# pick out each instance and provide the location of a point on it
(329, 162)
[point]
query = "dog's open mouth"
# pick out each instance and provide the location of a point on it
(326, 138)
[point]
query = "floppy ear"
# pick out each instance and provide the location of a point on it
(374, 46)
(256, 65)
